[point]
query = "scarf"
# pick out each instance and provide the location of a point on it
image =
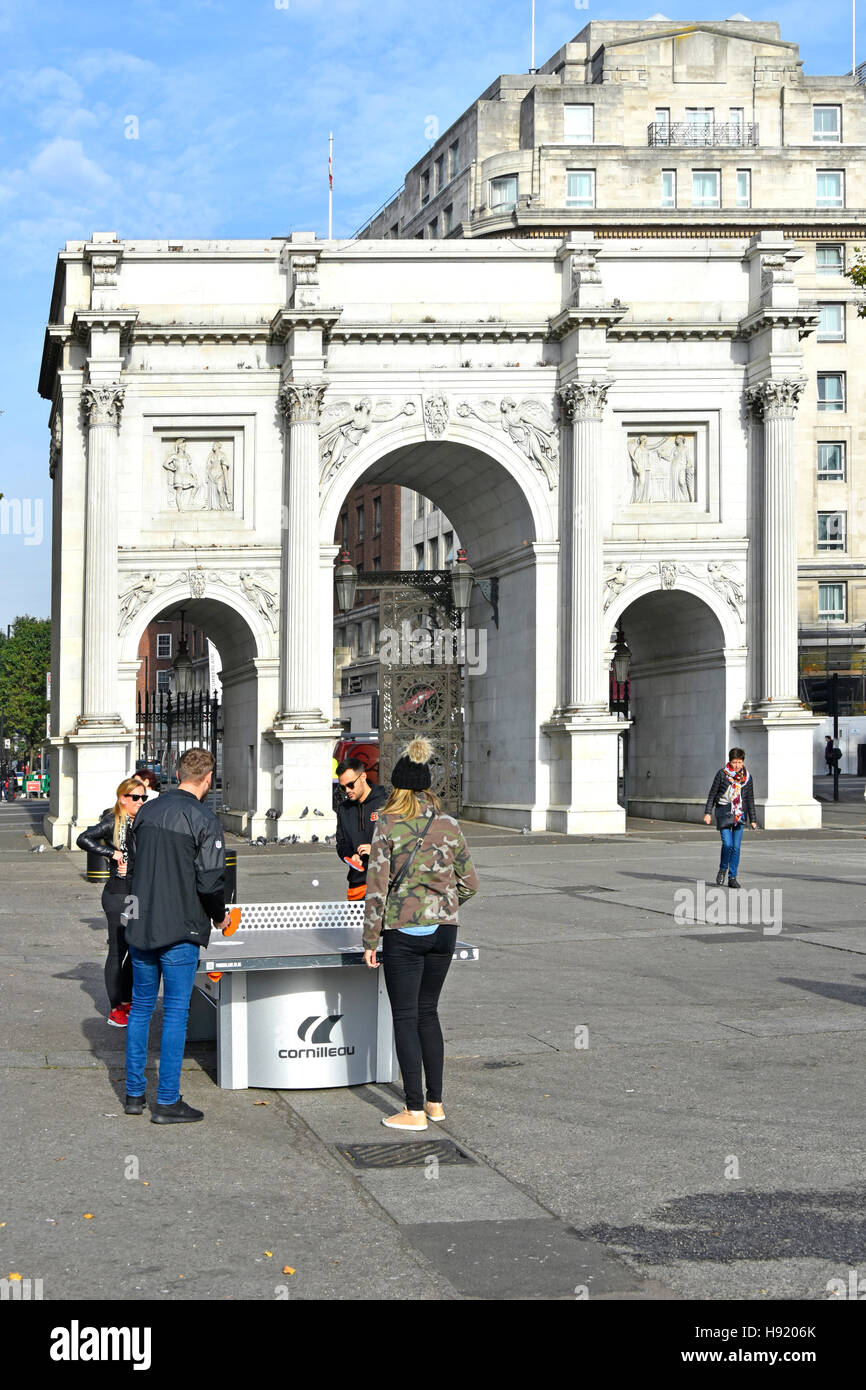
(733, 795)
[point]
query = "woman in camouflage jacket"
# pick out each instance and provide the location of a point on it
(418, 923)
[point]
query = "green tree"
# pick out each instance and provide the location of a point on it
(857, 276)
(25, 656)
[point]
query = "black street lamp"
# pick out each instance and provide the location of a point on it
(346, 581)
(462, 580)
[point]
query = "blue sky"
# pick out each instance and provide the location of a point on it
(234, 100)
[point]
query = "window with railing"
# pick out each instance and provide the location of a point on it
(702, 130)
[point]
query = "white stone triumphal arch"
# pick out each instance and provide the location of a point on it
(615, 448)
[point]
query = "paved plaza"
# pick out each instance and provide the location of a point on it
(648, 1106)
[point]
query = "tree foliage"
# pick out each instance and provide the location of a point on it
(857, 276)
(25, 656)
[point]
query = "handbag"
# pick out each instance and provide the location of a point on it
(724, 817)
(397, 879)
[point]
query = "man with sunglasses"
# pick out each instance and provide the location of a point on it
(357, 815)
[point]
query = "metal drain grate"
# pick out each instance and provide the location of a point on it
(397, 1155)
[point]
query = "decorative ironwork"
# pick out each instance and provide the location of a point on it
(739, 133)
(168, 724)
(420, 688)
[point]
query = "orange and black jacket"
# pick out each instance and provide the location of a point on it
(356, 822)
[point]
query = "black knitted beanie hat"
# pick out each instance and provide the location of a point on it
(412, 772)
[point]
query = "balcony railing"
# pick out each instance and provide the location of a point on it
(702, 133)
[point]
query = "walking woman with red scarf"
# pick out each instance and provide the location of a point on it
(732, 796)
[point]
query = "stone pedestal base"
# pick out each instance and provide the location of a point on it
(583, 776)
(103, 758)
(778, 752)
(304, 777)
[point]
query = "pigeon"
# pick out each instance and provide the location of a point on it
(261, 840)
(38, 849)
(305, 812)
(318, 813)
(525, 830)
(314, 839)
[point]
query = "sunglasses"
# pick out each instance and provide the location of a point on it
(347, 786)
(136, 796)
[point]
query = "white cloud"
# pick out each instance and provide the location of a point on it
(63, 164)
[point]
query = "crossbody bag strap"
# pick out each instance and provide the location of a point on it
(407, 864)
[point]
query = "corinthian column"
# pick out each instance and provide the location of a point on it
(102, 405)
(300, 698)
(583, 685)
(776, 402)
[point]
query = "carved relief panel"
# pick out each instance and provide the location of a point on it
(663, 469)
(197, 474)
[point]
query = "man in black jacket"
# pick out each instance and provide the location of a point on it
(178, 889)
(356, 821)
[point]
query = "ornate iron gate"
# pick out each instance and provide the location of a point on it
(168, 724)
(420, 676)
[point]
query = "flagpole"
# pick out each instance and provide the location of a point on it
(532, 58)
(330, 186)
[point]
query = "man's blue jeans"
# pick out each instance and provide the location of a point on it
(730, 860)
(177, 965)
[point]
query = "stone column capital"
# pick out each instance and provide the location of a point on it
(776, 398)
(302, 401)
(583, 400)
(102, 404)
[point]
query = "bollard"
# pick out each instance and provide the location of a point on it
(97, 868)
(231, 876)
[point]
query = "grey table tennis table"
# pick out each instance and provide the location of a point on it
(292, 1004)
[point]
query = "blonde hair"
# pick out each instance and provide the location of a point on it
(406, 804)
(121, 816)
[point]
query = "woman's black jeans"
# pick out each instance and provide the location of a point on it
(415, 969)
(118, 965)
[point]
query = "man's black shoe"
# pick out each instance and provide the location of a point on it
(134, 1105)
(720, 878)
(733, 882)
(176, 1114)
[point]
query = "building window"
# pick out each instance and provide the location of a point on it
(578, 125)
(737, 123)
(163, 682)
(454, 159)
(377, 562)
(669, 188)
(580, 188)
(447, 219)
(440, 172)
(744, 188)
(433, 553)
(433, 228)
(662, 123)
(448, 543)
(163, 646)
(705, 188)
(827, 125)
(830, 260)
(831, 530)
(377, 516)
(831, 390)
(355, 686)
(344, 529)
(419, 556)
(832, 603)
(830, 191)
(503, 192)
(395, 230)
(425, 187)
(419, 505)
(831, 463)
(360, 514)
(831, 323)
(699, 122)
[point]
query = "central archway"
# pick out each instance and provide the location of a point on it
(504, 511)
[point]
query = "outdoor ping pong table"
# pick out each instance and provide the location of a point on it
(291, 1002)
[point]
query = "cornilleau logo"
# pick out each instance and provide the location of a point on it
(319, 1039)
(323, 1033)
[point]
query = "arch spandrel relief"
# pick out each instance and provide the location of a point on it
(199, 474)
(664, 469)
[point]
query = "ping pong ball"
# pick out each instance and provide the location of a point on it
(315, 883)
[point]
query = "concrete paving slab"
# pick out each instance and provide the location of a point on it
(453, 1194)
(539, 1259)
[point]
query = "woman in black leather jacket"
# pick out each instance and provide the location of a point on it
(112, 841)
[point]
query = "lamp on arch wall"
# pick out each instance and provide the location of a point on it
(346, 582)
